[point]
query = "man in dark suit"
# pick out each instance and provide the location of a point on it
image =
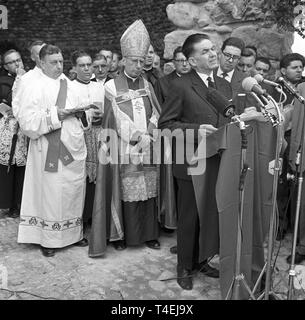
(149, 72)
(187, 108)
(100, 69)
(228, 59)
(182, 66)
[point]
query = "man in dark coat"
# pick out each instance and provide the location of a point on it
(229, 56)
(151, 73)
(162, 87)
(187, 108)
(13, 145)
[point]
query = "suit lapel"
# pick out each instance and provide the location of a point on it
(200, 88)
(223, 86)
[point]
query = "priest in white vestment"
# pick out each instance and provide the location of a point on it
(89, 93)
(54, 185)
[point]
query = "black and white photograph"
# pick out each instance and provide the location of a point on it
(152, 153)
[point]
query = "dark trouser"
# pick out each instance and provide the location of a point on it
(140, 221)
(284, 190)
(188, 225)
(11, 185)
(89, 201)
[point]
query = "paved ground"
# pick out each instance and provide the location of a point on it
(135, 273)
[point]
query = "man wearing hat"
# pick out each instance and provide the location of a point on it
(125, 210)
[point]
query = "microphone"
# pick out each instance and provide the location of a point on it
(222, 104)
(291, 90)
(260, 79)
(250, 84)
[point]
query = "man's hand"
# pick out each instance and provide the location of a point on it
(94, 114)
(63, 114)
(208, 128)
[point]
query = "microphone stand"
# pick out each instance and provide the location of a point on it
(299, 170)
(238, 276)
(277, 168)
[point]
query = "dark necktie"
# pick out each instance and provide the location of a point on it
(211, 84)
(224, 75)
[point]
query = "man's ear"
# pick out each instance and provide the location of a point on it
(283, 71)
(192, 61)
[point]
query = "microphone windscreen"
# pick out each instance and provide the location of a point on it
(220, 103)
(259, 78)
(248, 83)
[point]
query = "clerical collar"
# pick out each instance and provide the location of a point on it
(148, 69)
(81, 81)
(131, 78)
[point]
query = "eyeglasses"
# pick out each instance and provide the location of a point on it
(100, 66)
(229, 56)
(13, 61)
(181, 61)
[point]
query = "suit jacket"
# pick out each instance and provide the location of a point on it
(152, 75)
(162, 86)
(187, 107)
(244, 99)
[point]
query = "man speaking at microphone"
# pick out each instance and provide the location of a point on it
(185, 108)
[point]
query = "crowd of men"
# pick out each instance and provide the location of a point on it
(54, 138)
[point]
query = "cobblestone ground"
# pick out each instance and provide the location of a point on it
(135, 273)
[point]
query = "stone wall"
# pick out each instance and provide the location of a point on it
(87, 24)
(249, 19)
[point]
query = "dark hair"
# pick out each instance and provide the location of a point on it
(99, 56)
(117, 53)
(188, 45)
(77, 54)
(35, 43)
(48, 49)
(176, 51)
(254, 50)
(6, 53)
(288, 58)
(247, 52)
(264, 60)
(234, 42)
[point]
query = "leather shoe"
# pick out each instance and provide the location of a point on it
(298, 258)
(119, 245)
(208, 271)
(48, 252)
(184, 278)
(173, 250)
(81, 243)
(153, 244)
